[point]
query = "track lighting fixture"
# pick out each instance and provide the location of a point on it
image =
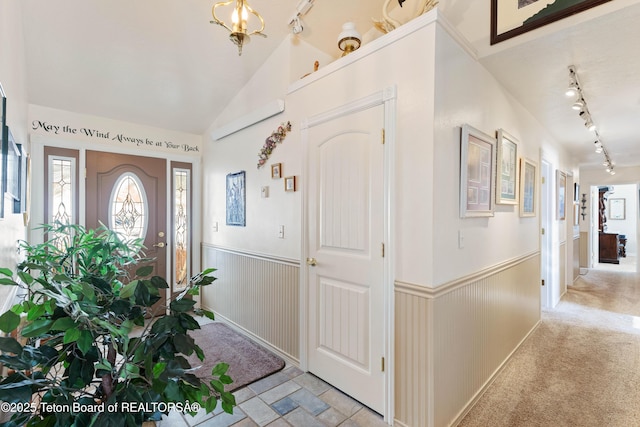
(295, 22)
(580, 104)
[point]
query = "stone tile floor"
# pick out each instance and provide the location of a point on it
(287, 398)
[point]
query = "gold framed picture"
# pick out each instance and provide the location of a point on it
(290, 183)
(276, 170)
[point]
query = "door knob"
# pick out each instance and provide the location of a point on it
(159, 245)
(312, 262)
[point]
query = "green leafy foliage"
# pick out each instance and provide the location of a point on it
(89, 334)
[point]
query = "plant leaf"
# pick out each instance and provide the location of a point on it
(71, 335)
(144, 271)
(85, 341)
(128, 290)
(10, 345)
(182, 305)
(36, 328)
(63, 324)
(9, 321)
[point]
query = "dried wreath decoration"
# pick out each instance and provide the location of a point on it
(270, 143)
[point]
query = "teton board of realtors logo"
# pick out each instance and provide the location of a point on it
(49, 127)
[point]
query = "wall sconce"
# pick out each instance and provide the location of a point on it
(584, 206)
(349, 38)
(239, 22)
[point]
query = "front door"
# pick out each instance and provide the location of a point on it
(128, 194)
(345, 265)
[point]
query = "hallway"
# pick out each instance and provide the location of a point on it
(579, 367)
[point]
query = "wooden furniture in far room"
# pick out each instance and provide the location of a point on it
(622, 245)
(609, 248)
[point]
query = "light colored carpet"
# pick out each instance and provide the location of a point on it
(580, 367)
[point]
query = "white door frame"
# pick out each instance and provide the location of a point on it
(546, 241)
(386, 97)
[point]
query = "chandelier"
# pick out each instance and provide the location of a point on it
(239, 28)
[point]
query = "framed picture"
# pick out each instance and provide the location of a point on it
(510, 18)
(276, 170)
(236, 199)
(290, 183)
(13, 174)
(617, 209)
(528, 180)
(561, 195)
(477, 173)
(576, 214)
(507, 173)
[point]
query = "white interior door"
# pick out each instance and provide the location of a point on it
(345, 264)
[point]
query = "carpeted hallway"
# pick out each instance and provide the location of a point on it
(580, 366)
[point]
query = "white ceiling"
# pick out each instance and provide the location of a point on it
(161, 63)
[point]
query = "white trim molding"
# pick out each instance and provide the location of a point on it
(271, 109)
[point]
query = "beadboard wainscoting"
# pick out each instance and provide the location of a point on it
(468, 329)
(562, 265)
(257, 293)
(575, 273)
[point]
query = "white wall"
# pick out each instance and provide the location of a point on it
(12, 72)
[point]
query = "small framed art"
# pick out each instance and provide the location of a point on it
(477, 173)
(528, 179)
(276, 170)
(561, 195)
(236, 199)
(507, 164)
(290, 183)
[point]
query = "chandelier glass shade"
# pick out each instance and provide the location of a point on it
(239, 32)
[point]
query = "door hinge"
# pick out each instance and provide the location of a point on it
(542, 179)
(542, 282)
(85, 173)
(382, 250)
(542, 231)
(382, 364)
(383, 136)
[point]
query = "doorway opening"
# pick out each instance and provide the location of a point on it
(615, 233)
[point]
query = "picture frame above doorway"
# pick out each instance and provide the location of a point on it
(510, 18)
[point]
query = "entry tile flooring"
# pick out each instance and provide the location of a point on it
(287, 398)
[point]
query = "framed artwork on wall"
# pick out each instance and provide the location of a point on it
(528, 180)
(236, 199)
(510, 18)
(276, 170)
(617, 209)
(477, 173)
(290, 183)
(507, 173)
(561, 195)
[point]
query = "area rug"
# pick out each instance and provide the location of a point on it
(248, 361)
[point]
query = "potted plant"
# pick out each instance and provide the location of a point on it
(84, 348)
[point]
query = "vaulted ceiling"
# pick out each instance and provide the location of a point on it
(162, 63)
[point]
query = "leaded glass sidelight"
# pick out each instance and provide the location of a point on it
(61, 189)
(181, 232)
(128, 209)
